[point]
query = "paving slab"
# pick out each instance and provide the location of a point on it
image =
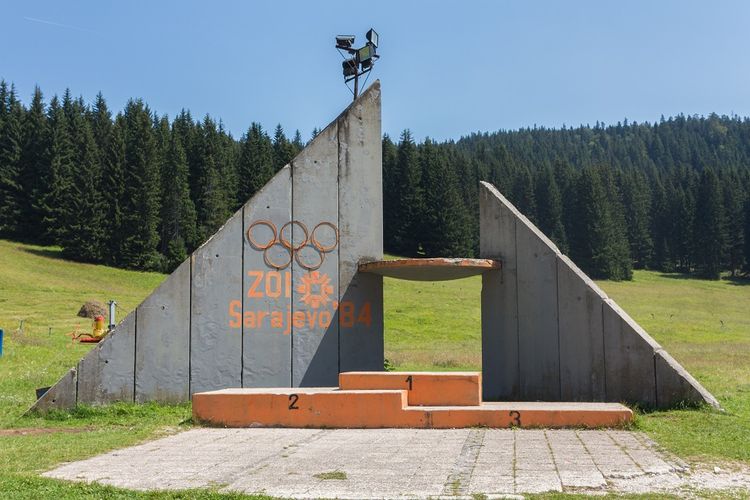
(400, 463)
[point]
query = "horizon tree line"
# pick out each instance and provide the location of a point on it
(138, 190)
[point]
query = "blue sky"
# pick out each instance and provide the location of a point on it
(447, 68)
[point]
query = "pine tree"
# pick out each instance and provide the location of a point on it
(636, 196)
(709, 226)
(747, 235)
(445, 228)
(550, 208)
(409, 206)
(678, 221)
(83, 204)
(229, 158)
(734, 220)
(523, 194)
(178, 211)
(597, 244)
(52, 201)
(283, 150)
(11, 142)
(35, 168)
(566, 180)
(660, 229)
(113, 190)
(212, 205)
(391, 190)
(620, 262)
(297, 143)
(140, 201)
(187, 130)
(256, 165)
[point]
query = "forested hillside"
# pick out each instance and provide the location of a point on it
(138, 190)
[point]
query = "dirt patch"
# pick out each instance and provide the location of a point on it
(26, 339)
(35, 431)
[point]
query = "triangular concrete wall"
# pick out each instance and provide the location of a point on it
(550, 333)
(233, 315)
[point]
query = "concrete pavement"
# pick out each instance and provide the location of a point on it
(398, 463)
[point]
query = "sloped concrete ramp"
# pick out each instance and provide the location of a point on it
(399, 463)
(273, 298)
(549, 333)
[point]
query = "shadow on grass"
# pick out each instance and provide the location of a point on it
(738, 280)
(679, 276)
(743, 280)
(44, 252)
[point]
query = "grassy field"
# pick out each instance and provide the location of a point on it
(705, 325)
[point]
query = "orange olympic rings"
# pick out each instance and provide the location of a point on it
(289, 244)
(275, 265)
(293, 251)
(316, 244)
(305, 266)
(270, 243)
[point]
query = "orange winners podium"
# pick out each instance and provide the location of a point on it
(395, 399)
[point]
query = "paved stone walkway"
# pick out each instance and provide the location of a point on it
(396, 463)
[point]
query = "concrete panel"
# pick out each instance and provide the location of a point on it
(61, 396)
(107, 373)
(497, 230)
(360, 198)
(315, 336)
(215, 346)
(582, 374)
(629, 358)
(267, 349)
(162, 345)
(675, 386)
(539, 348)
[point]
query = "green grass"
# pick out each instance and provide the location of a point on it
(433, 325)
(37, 286)
(705, 325)
(335, 475)
(429, 326)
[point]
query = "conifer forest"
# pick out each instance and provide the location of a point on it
(137, 190)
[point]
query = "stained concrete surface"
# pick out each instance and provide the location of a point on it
(401, 463)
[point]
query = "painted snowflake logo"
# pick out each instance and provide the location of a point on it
(315, 289)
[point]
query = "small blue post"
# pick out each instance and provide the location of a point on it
(1, 341)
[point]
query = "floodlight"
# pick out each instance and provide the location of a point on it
(350, 67)
(365, 53)
(357, 61)
(344, 41)
(372, 37)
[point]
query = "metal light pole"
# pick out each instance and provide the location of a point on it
(362, 60)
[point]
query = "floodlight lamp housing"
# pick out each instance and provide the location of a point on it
(349, 67)
(372, 37)
(366, 53)
(344, 41)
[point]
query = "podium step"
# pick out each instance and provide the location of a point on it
(301, 407)
(336, 408)
(526, 414)
(423, 388)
